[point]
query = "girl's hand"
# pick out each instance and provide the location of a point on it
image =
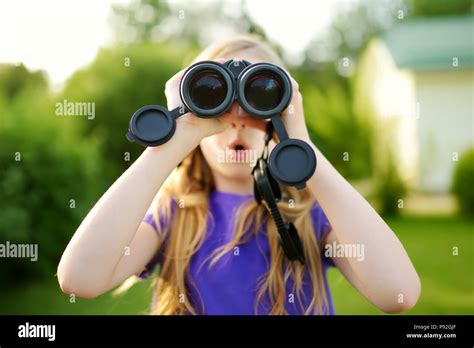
(293, 115)
(197, 128)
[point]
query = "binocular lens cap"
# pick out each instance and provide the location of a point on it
(152, 125)
(292, 162)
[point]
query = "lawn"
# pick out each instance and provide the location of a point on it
(447, 280)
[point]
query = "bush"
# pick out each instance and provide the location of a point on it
(43, 166)
(119, 81)
(53, 169)
(390, 188)
(462, 183)
(344, 137)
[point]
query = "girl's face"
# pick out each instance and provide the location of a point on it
(232, 153)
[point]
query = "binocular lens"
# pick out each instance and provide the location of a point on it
(207, 89)
(263, 91)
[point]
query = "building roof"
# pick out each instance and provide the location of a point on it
(432, 43)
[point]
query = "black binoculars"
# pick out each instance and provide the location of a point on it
(208, 89)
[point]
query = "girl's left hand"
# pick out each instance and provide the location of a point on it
(293, 115)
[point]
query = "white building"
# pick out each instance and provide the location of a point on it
(418, 79)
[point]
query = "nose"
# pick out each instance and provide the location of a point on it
(235, 116)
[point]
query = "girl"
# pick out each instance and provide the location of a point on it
(218, 250)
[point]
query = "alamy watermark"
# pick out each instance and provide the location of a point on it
(28, 330)
(334, 250)
(12, 250)
(229, 155)
(68, 108)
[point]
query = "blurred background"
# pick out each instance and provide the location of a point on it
(388, 91)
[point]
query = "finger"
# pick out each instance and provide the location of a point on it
(296, 103)
(220, 60)
(293, 108)
(294, 83)
(175, 79)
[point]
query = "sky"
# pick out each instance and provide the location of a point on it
(60, 36)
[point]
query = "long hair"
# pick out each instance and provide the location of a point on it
(189, 187)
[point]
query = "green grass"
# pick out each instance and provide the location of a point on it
(447, 280)
(47, 298)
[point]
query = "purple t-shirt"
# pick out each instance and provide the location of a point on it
(230, 286)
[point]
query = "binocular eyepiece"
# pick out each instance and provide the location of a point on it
(208, 89)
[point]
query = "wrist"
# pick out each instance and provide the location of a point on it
(187, 137)
(297, 130)
(181, 144)
(323, 178)
(300, 135)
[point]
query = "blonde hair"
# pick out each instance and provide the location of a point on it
(191, 183)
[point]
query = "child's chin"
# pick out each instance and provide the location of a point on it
(241, 170)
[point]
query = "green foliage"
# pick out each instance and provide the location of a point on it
(137, 21)
(389, 186)
(182, 23)
(15, 78)
(343, 137)
(351, 30)
(462, 183)
(120, 81)
(390, 189)
(429, 8)
(43, 166)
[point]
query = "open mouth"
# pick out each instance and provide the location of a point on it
(238, 145)
(239, 152)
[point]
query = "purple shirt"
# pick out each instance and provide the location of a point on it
(230, 286)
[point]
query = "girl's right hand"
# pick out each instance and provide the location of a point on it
(189, 123)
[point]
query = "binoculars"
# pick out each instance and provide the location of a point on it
(208, 89)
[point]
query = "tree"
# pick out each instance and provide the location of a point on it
(185, 23)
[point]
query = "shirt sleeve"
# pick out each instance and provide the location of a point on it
(321, 227)
(164, 224)
(151, 220)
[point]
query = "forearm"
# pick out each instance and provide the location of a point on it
(99, 243)
(386, 270)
